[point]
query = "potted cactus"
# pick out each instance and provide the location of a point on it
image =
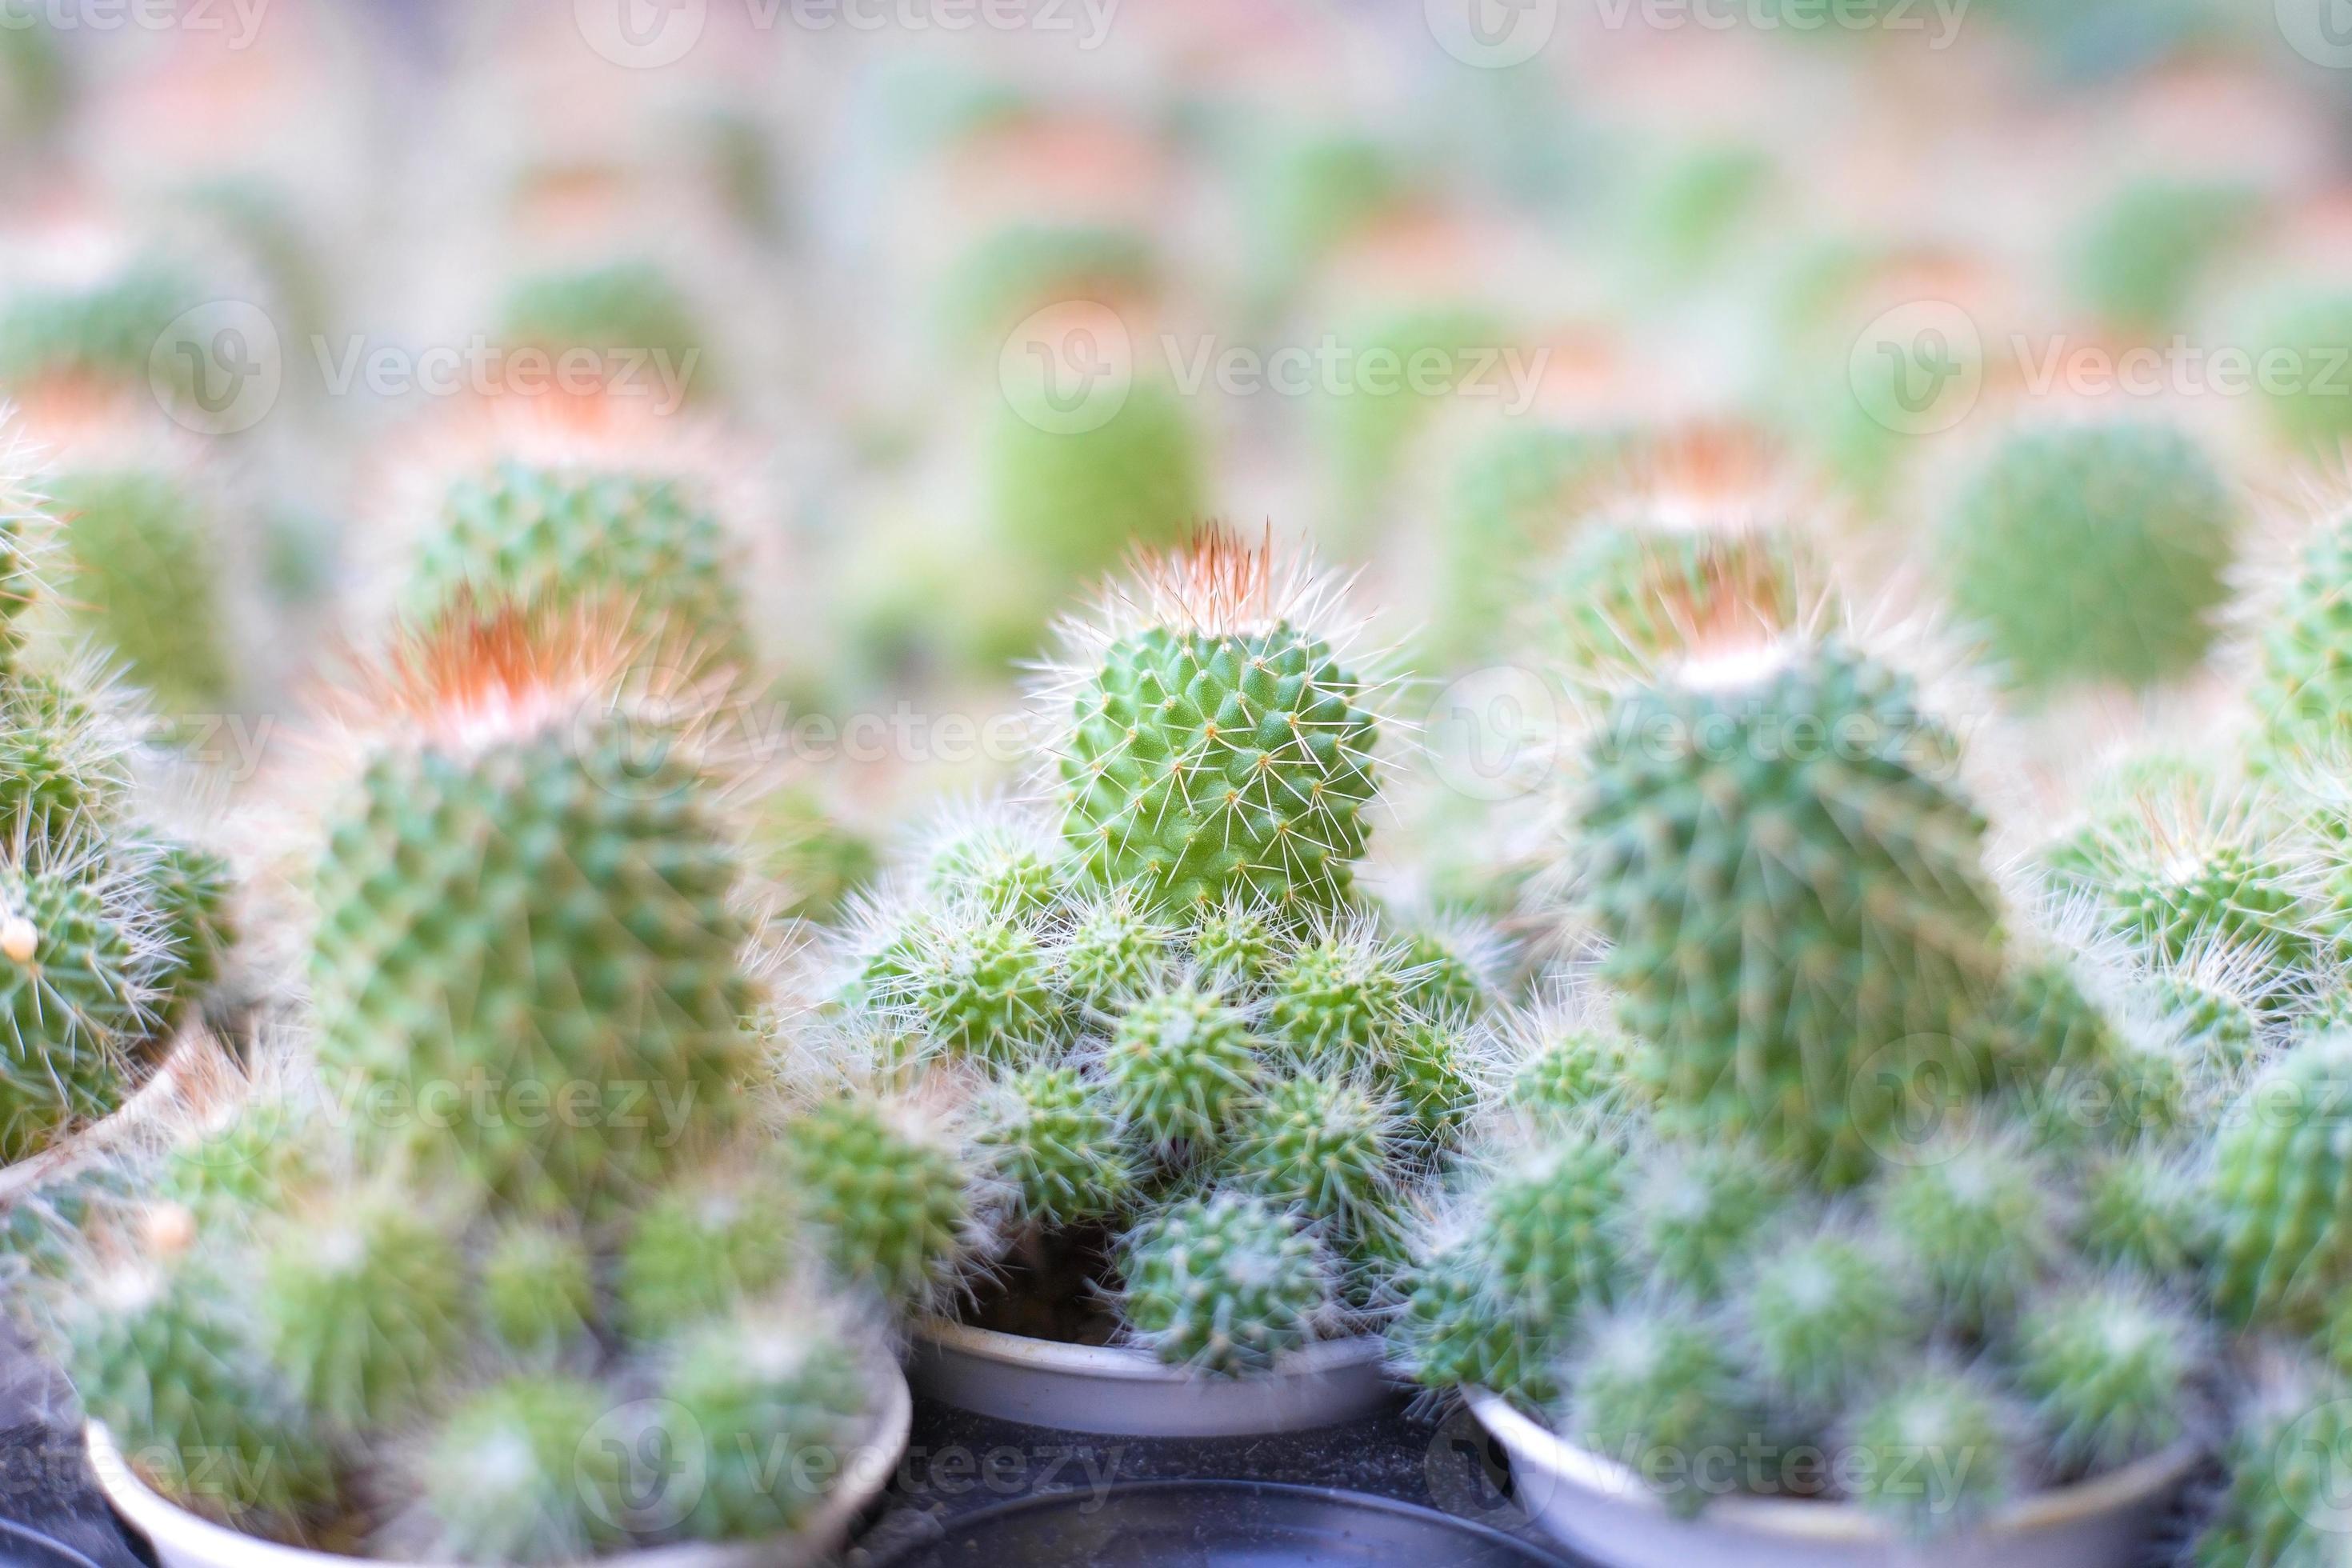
(1201, 1080)
(437, 1286)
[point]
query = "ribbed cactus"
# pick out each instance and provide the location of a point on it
(2092, 552)
(1974, 1217)
(994, 859)
(2109, 1370)
(1058, 1140)
(63, 767)
(698, 1248)
(1226, 1283)
(364, 1298)
(1691, 1209)
(2284, 1504)
(567, 537)
(1218, 742)
(513, 1474)
(1321, 1145)
(1821, 1320)
(1180, 1065)
(2282, 1189)
(2302, 695)
(1809, 1011)
(891, 1202)
(79, 957)
(1653, 1388)
(140, 572)
(192, 889)
(1111, 953)
(980, 982)
(1235, 943)
(537, 1289)
(1340, 999)
(524, 903)
(619, 308)
(1936, 1453)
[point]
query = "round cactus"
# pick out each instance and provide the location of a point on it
(2218, 1027)
(698, 1249)
(64, 768)
(514, 1474)
(773, 1404)
(248, 1160)
(162, 1351)
(2312, 330)
(141, 567)
(1974, 1218)
(2302, 696)
(1340, 1000)
(1809, 1011)
(2145, 1210)
(1218, 744)
(524, 905)
(1180, 1065)
(994, 861)
(617, 308)
(1568, 1072)
(537, 1292)
(2141, 254)
(1439, 1074)
(2282, 1188)
(1655, 1387)
(566, 538)
(1547, 1226)
(1511, 497)
(1820, 1320)
(1454, 1330)
(107, 329)
(1226, 1283)
(2092, 552)
(1320, 1145)
(77, 960)
(1693, 1209)
(2108, 1369)
(1058, 1138)
(365, 1302)
(1235, 944)
(1935, 1454)
(979, 982)
(1111, 953)
(1449, 969)
(891, 1204)
(2285, 1506)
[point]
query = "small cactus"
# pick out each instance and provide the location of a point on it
(1937, 1454)
(1111, 953)
(1340, 999)
(2301, 697)
(696, 1249)
(1235, 944)
(1654, 1388)
(2285, 1506)
(890, 1201)
(1974, 1217)
(1693, 1209)
(537, 1289)
(2145, 1210)
(2282, 1188)
(995, 859)
(629, 306)
(1227, 1283)
(2108, 1368)
(979, 982)
(365, 1301)
(1180, 1065)
(142, 573)
(513, 1475)
(1821, 1320)
(1056, 1140)
(1323, 1146)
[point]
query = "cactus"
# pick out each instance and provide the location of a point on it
(821, 862)
(1180, 1065)
(1218, 742)
(514, 896)
(1693, 1209)
(1320, 1145)
(1340, 999)
(1653, 1388)
(2141, 256)
(2301, 697)
(78, 960)
(513, 1474)
(1935, 1454)
(2283, 1506)
(995, 859)
(103, 329)
(365, 1301)
(979, 982)
(1368, 426)
(1057, 1140)
(1546, 1232)
(564, 538)
(247, 1161)
(2282, 1188)
(1510, 498)
(698, 1248)
(140, 575)
(2092, 552)
(1234, 944)
(1023, 269)
(624, 308)
(777, 1401)
(1451, 967)
(1226, 1283)
(64, 772)
(2145, 1210)
(161, 1353)
(2312, 330)
(537, 1292)
(890, 1201)
(1820, 1320)
(1572, 1071)
(1453, 1330)
(1806, 1011)
(1974, 1218)
(2108, 1368)
(2221, 879)
(192, 889)
(1111, 953)
(1439, 1073)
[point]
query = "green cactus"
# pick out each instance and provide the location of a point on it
(1180, 1067)
(162, 1353)
(1454, 1330)
(104, 330)
(1340, 1000)
(1975, 1218)
(532, 908)
(1546, 1232)
(139, 571)
(2302, 697)
(564, 538)
(537, 1289)
(1451, 968)
(1821, 1320)
(2283, 1506)
(1023, 267)
(1937, 1454)
(995, 860)
(1512, 498)
(1410, 359)
(891, 1202)
(2141, 256)
(2145, 1210)
(64, 772)
(629, 308)
(1572, 1072)
(1439, 1072)
(192, 889)
(1221, 748)
(1693, 1209)
(1320, 1145)
(1235, 945)
(775, 1403)
(2215, 1022)
(1809, 1011)
(513, 1475)
(247, 1161)
(1652, 1387)
(2092, 552)
(78, 960)
(364, 1298)
(1111, 953)
(698, 1248)
(2108, 1368)
(2312, 330)
(1058, 1138)
(1226, 1283)
(2281, 1189)
(981, 984)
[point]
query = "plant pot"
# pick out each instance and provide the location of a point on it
(1118, 1391)
(1601, 1509)
(183, 1540)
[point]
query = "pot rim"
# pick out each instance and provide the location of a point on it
(869, 1471)
(1810, 1520)
(1127, 1363)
